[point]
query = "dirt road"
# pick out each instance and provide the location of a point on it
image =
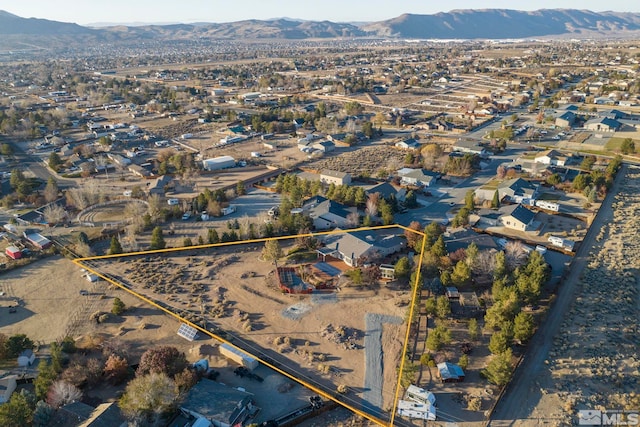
(524, 393)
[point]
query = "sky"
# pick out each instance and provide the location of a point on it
(85, 12)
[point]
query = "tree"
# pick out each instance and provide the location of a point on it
(148, 397)
(185, 380)
(402, 269)
(115, 247)
(443, 306)
(439, 249)
(212, 236)
(495, 202)
(55, 161)
(469, 200)
(461, 274)
(46, 377)
(499, 369)
(16, 412)
(61, 393)
(473, 328)
(438, 337)
(272, 250)
(628, 146)
(523, 326)
(118, 306)
(16, 344)
(42, 414)
(430, 306)
(463, 362)
(116, 369)
(54, 214)
(51, 190)
(163, 359)
(6, 149)
(157, 240)
(499, 342)
(241, 190)
(386, 212)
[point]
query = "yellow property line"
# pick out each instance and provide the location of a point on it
(81, 262)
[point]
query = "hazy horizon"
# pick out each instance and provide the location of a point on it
(143, 12)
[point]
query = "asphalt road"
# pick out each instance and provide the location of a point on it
(523, 393)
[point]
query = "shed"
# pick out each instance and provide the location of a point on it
(38, 240)
(450, 372)
(26, 358)
(13, 252)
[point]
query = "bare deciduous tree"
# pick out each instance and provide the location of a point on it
(54, 214)
(372, 204)
(353, 219)
(61, 393)
(515, 253)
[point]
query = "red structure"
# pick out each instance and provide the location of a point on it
(290, 282)
(13, 252)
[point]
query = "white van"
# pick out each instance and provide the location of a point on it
(173, 202)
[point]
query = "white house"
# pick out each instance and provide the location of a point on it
(551, 158)
(7, 387)
(328, 176)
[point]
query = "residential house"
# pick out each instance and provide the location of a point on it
(328, 176)
(603, 125)
(159, 184)
(469, 146)
(356, 247)
(327, 214)
(386, 191)
(417, 177)
(516, 189)
(324, 146)
(221, 405)
(408, 144)
(517, 217)
(7, 387)
(551, 158)
(462, 238)
(79, 414)
(566, 119)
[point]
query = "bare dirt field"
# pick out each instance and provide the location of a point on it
(318, 338)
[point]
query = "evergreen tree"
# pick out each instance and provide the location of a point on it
(498, 343)
(495, 203)
(439, 249)
(523, 326)
(115, 247)
(272, 250)
(499, 369)
(54, 161)
(461, 274)
(212, 236)
(46, 377)
(473, 329)
(118, 307)
(468, 200)
(157, 240)
(402, 269)
(443, 306)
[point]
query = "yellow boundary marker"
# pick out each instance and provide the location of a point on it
(82, 263)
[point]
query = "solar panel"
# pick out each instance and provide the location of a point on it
(187, 332)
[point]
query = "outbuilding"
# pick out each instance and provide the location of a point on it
(217, 163)
(13, 252)
(26, 358)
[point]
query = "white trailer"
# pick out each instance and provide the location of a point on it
(416, 410)
(228, 210)
(238, 356)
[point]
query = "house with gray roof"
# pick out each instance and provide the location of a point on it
(417, 177)
(386, 190)
(327, 214)
(469, 146)
(515, 189)
(221, 405)
(408, 144)
(566, 119)
(359, 247)
(517, 217)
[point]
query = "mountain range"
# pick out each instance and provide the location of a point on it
(456, 24)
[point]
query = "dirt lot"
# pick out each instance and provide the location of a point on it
(310, 336)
